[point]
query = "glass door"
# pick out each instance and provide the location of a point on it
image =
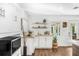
(73, 31)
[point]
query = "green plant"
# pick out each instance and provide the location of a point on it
(73, 30)
(52, 30)
(29, 33)
(55, 40)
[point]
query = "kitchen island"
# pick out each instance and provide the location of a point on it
(44, 43)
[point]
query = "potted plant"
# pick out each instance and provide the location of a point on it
(44, 21)
(55, 44)
(29, 33)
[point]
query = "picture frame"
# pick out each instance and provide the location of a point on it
(64, 24)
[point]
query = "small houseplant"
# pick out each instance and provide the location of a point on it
(29, 33)
(55, 43)
(55, 40)
(44, 21)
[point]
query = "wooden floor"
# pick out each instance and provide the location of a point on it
(61, 51)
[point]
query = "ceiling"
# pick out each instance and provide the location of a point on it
(51, 8)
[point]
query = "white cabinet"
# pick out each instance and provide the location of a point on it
(38, 42)
(30, 46)
(48, 42)
(22, 45)
(43, 42)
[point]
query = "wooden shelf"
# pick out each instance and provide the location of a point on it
(40, 27)
(40, 23)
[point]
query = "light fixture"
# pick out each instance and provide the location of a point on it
(76, 7)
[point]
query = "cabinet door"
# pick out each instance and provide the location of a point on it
(41, 42)
(36, 42)
(22, 42)
(48, 42)
(30, 46)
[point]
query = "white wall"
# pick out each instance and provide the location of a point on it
(54, 18)
(10, 24)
